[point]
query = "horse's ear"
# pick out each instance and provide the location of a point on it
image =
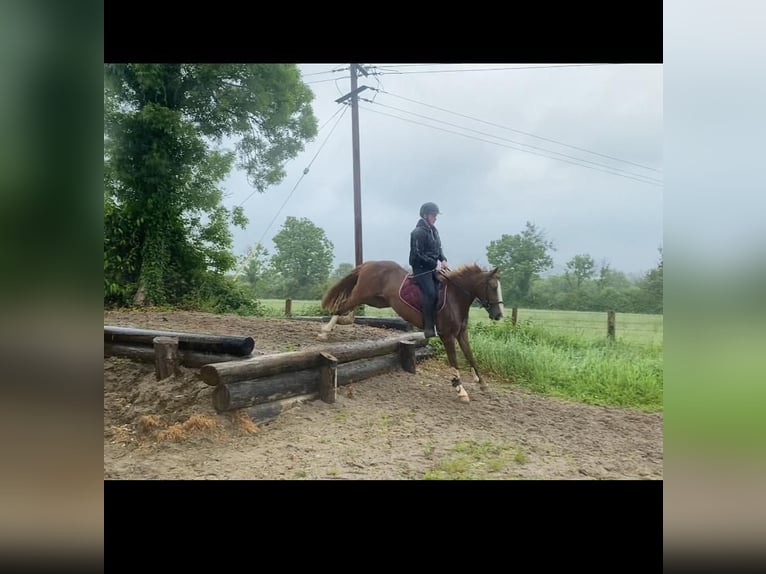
(494, 271)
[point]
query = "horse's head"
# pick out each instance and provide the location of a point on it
(482, 285)
(493, 295)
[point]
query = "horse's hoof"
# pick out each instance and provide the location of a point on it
(322, 336)
(484, 387)
(465, 399)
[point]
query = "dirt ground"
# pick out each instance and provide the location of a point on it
(393, 426)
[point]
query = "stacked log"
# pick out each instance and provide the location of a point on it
(194, 349)
(267, 385)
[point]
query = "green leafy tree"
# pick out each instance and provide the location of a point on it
(165, 228)
(256, 263)
(303, 257)
(651, 290)
(521, 258)
(581, 268)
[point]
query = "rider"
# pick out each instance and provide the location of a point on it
(426, 256)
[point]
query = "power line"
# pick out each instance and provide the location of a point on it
(312, 161)
(449, 71)
(327, 80)
(520, 131)
(325, 72)
(649, 182)
(514, 142)
(305, 171)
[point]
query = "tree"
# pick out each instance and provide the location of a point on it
(165, 229)
(651, 290)
(521, 258)
(582, 267)
(341, 271)
(303, 256)
(256, 263)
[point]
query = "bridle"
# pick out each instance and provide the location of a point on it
(486, 304)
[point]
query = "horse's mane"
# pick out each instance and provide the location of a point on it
(461, 273)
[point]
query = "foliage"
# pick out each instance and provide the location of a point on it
(652, 289)
(218, 294)
(580, 268)
(165, 228)
(255, 265)
(303, 257)
(521, 258)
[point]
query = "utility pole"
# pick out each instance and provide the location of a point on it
(355, 68)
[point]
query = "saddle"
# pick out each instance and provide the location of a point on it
(411, 294)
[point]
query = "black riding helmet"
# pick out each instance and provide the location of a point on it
(429, 207)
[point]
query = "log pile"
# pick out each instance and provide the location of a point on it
(268, 384)
(194, 349)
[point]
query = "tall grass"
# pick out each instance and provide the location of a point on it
(595, 371)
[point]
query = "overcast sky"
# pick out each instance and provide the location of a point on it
(473, 160)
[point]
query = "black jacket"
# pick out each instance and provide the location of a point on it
(425, 248)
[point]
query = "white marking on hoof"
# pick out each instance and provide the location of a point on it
(462, 394)
(476, 378)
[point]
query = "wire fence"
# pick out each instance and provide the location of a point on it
(634, 327)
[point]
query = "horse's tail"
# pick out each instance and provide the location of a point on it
(336, 297)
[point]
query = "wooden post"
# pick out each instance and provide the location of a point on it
(407, 355)
(514, 315)
(328, 378)
(610, 324)
(288, 307)
(166, 360)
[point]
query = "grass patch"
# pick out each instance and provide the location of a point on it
(471, 460)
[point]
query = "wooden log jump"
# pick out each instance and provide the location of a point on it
(266, 365)
(146, 354)
(215, 344)
(304, 383)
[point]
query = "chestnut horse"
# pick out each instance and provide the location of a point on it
(385, 284)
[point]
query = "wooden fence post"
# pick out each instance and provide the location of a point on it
(328, 378)
(407, 356)
(610, 324)
(288, 307)
(166, 359)
(514, 315)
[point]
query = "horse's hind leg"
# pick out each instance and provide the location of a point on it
(327, 328)
(449, 346)
(462, 339)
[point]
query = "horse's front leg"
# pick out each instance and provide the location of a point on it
(327, 328)
(449, 346)
(462, 339)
